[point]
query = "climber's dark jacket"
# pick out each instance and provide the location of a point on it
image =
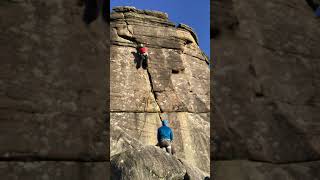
(164, 132)
(143, 50)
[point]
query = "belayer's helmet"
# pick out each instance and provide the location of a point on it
(165, 122)
(140, 45)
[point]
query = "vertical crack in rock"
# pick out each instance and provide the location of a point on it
(131, 32)
(152, 91)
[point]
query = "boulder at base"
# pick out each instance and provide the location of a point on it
(150, 162)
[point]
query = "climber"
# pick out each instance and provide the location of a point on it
(315, 7)
(143, 54)
(165, 137)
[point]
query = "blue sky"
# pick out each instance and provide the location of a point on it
(195, 14)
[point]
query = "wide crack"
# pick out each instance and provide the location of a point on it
(152, 91)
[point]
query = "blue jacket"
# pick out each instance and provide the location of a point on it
(164, 132)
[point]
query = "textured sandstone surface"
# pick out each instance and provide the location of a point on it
(150, 162)
(266, 84)
(176, 82)
(52, 90)
(133, 130)
(54, 170)
(248, 170)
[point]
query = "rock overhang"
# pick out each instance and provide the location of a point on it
(132, 16)
(126, 9)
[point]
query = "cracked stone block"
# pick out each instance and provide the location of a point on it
(266, 83)
(43, 170)
(248, 170)
(52, 83)
(131, 88)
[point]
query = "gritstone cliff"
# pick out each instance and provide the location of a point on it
(176, 82)
(52, 92)
(266, 90)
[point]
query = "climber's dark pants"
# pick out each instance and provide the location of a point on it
(167, 145)
(142, 60)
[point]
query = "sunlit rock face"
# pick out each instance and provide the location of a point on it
(266, 84)
(176, 82)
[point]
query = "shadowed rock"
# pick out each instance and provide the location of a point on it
(151, 162)
(266, 85)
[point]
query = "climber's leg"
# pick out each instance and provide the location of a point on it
(173, 151)
(168, 148)
(145, 62)
(142, 60)
(162, 146)
(167, 145)
(138, 61)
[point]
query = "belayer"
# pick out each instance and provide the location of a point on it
(314, 6)
(165, 137)
(143, 56)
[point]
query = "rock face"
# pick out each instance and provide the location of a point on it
(176, 82)
(150, 162)
(266, 85)
(39, 170)
(245, 170)
(52, 92)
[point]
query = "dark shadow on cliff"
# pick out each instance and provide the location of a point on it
(314, 5)
(93, 9)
